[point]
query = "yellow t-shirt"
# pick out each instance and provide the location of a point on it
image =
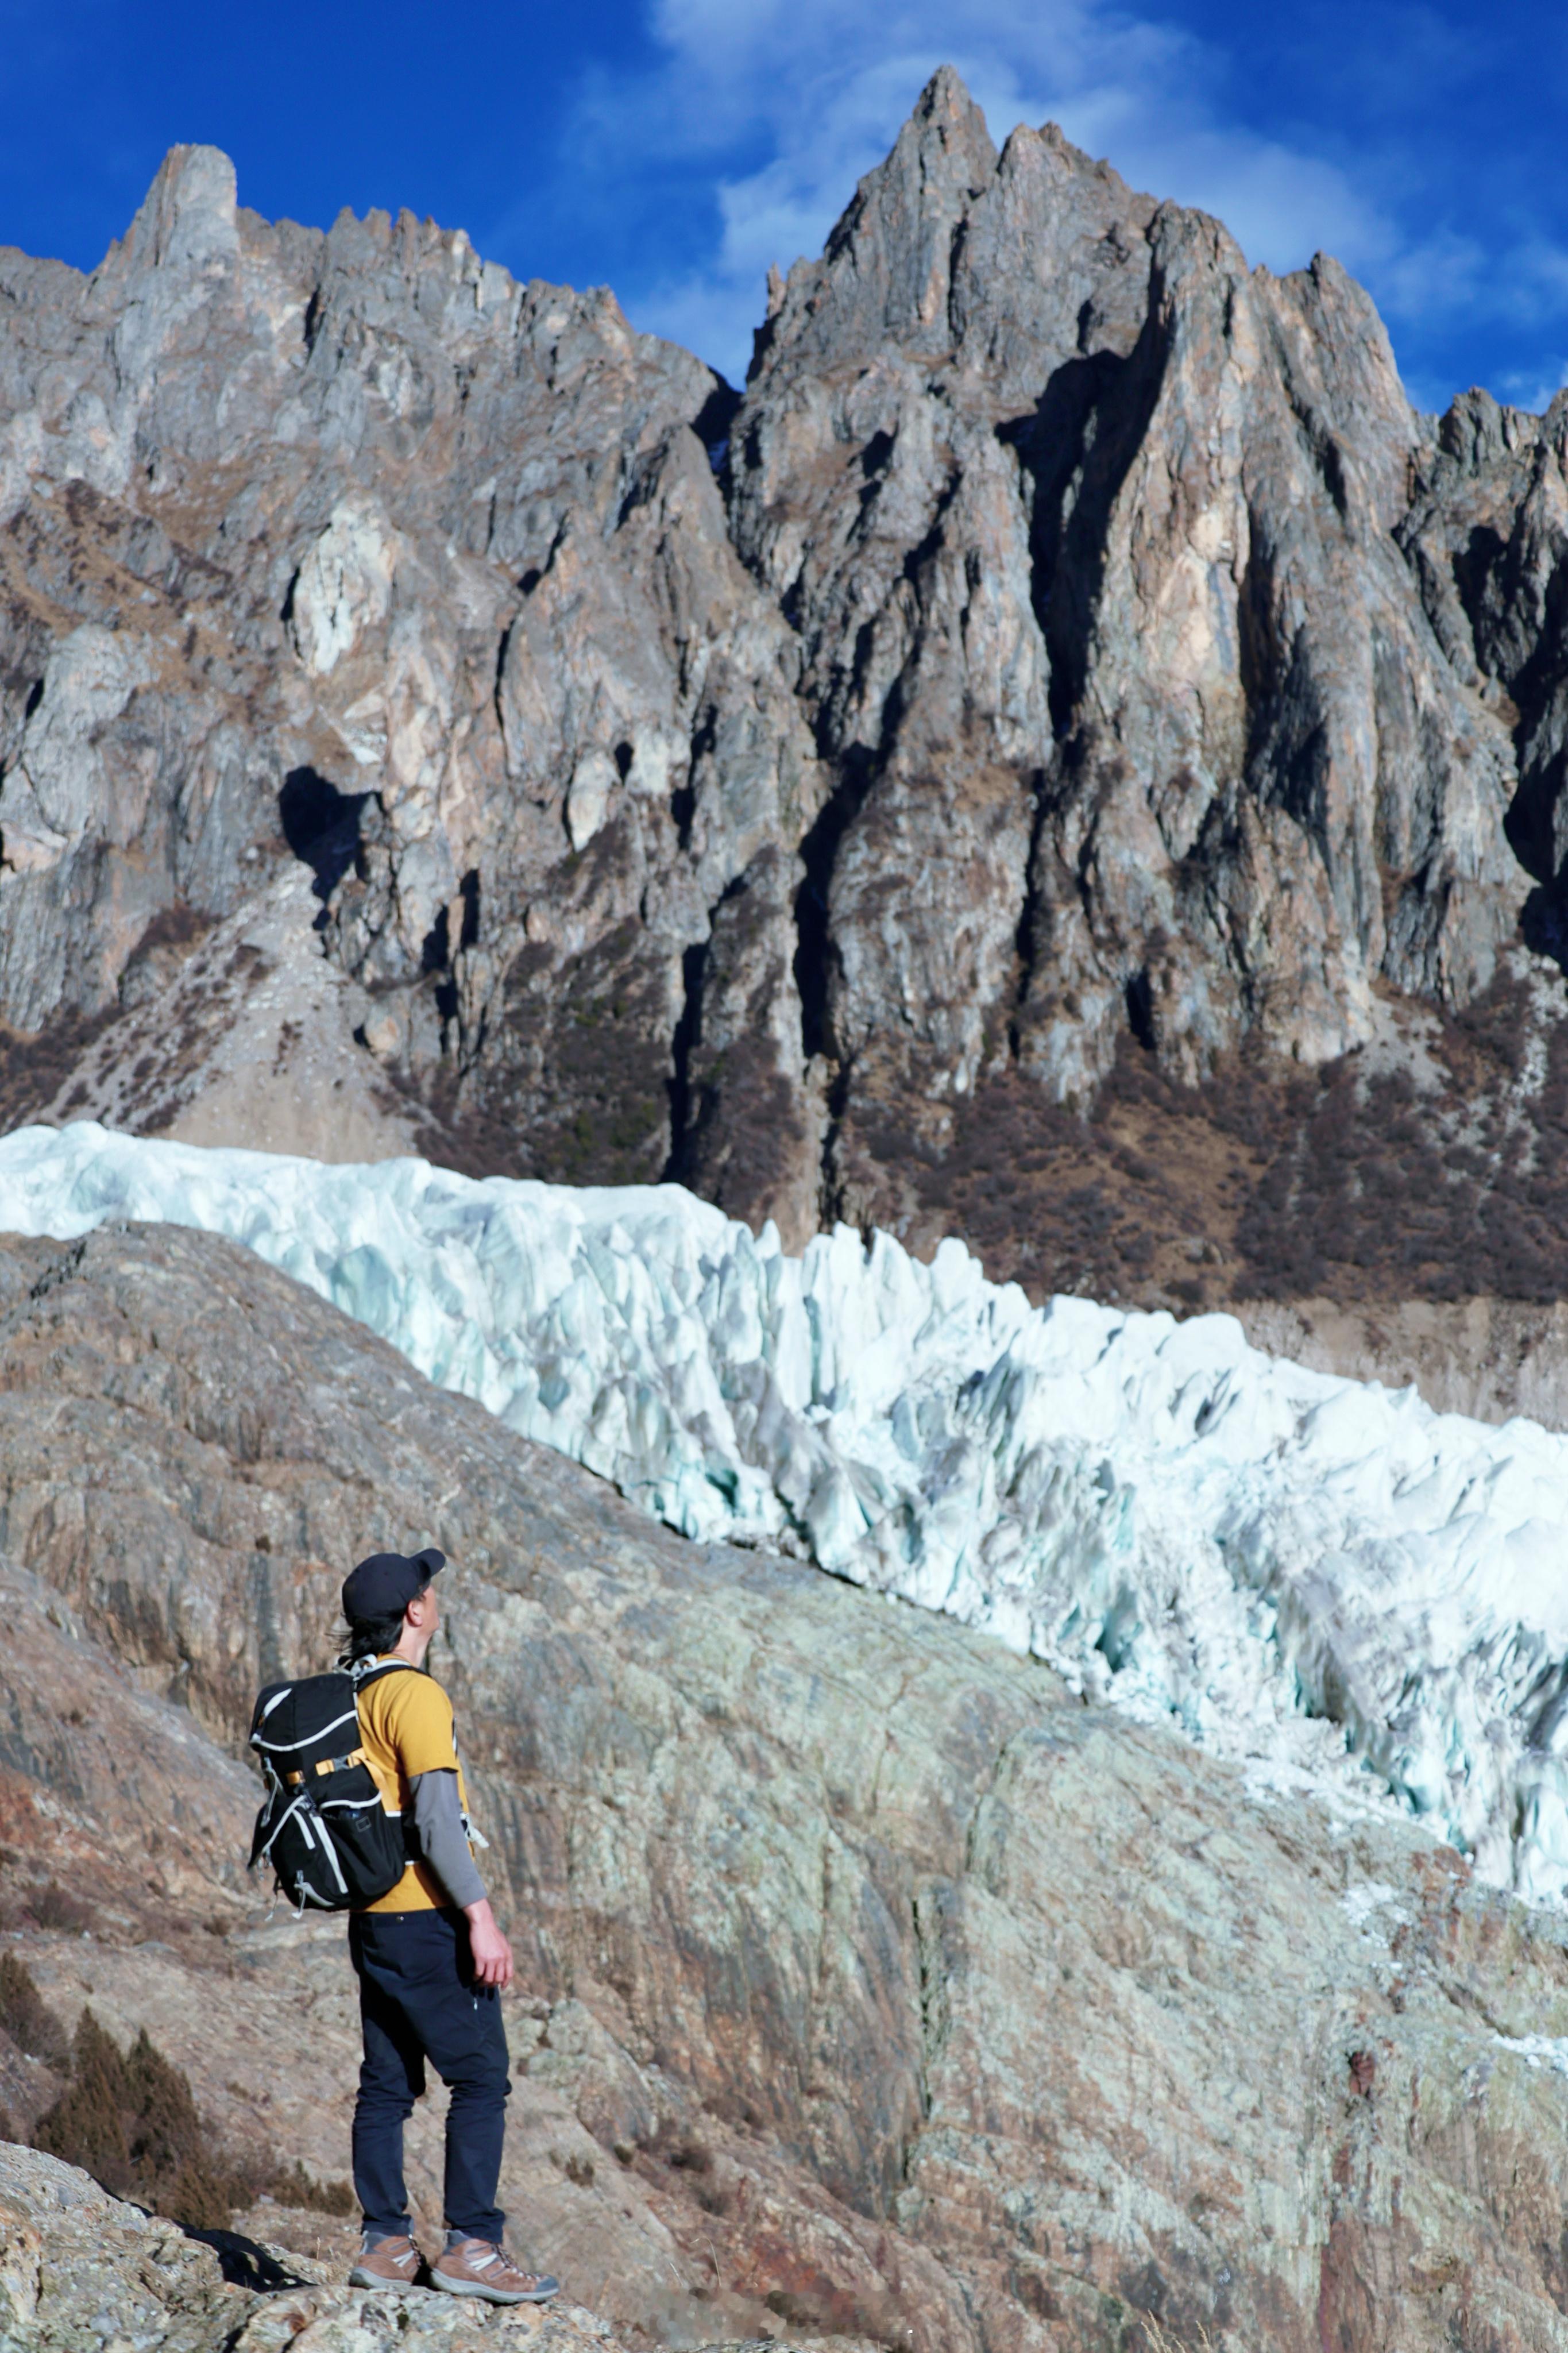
(405, 1728)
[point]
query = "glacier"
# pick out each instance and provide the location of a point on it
(1321, 1577)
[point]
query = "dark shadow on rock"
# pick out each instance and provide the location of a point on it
(1543, 923)
(818, 855)
(1490, 575)
(245, 2262)
(712, 422)
(1082, 437)
(321, 825)
(688, 1036)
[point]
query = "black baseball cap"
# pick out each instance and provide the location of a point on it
(384, 1585)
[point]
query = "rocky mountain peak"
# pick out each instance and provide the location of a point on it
(945, 232)
(188, 218)
(894, 241)
(1070, 664)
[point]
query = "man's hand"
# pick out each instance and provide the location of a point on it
(492, 1953)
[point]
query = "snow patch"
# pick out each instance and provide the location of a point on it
(1321, 1577)
(1363, 1903)
(1538, 2049)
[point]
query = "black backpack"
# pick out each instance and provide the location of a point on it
(323, 1825)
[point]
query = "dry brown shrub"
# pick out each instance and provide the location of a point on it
(28, 2019)
(131, 2121)
(53, 1906)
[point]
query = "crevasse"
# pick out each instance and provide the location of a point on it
(1319, 1575)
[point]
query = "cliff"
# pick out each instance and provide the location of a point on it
(1067, 755)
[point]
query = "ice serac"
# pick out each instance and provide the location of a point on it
(1323, 1579)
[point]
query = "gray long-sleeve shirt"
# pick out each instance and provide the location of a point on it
(439, 1823)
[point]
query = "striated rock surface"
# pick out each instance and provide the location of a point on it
(871, 1987)
(1071, 673)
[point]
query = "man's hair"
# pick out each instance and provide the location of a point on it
(367, 1637)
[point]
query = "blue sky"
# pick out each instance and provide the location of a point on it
(673, 148)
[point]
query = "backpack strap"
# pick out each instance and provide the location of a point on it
(371, 1671)
(327, 1765)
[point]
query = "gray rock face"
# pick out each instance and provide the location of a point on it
(1072, 638)
(350, 549)
(1487, 535)
(871, 1987)
(1090, 534)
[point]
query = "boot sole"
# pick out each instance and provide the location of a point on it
(359, 2277)
(493, 2294)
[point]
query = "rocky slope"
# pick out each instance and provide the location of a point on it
(872, 1987)
(1069, 702)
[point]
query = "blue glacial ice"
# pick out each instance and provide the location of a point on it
(1320, 1577)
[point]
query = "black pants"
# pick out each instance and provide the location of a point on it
(417, 2001)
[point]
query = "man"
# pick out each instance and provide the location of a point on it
(430, 1959)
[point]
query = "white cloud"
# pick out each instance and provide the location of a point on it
(1442, 274)
(1450, 277)
(1534, 389)
(770, 110)
(813, 93)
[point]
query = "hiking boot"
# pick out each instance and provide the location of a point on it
(475, 2267)
(390, 2263)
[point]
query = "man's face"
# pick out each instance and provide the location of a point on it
(424, 1614)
